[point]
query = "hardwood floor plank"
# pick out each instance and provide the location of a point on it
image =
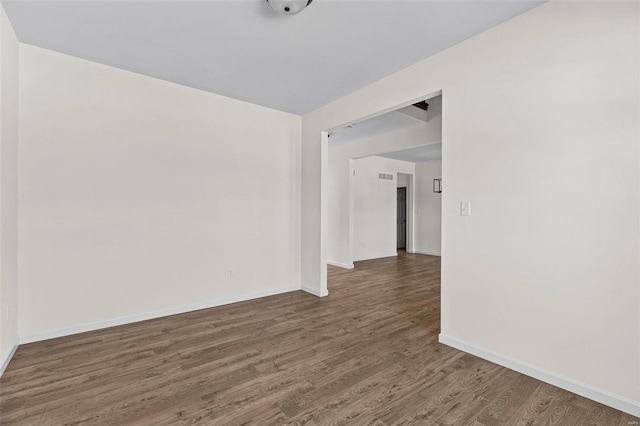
(505, 408)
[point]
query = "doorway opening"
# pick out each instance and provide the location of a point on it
(401, 218)
(374, 180)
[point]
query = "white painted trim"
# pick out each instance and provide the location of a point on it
(599, 395)
(315, 292)
(10, 354)
(428, 253)
(340, 265)
(324, 208)
(97, 325)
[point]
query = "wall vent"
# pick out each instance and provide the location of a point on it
(385, 176)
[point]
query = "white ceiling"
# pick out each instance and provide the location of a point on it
(375, 126)
(244, 50)
(417, 154)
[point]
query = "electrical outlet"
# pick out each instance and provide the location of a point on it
(230, 273)
(465, 208)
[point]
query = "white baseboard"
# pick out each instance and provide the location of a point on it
(599, 395)
(315, 292)
(428, 253)
(7, 358)
(340, 265)
(97, 325)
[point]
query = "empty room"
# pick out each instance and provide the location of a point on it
(288, 212)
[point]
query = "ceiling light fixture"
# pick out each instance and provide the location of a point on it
(289, 7)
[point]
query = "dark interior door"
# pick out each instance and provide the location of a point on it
(402, 218)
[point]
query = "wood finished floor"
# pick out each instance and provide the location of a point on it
(366, 355)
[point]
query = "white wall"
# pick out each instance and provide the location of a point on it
(428, 208)
(8, 189)
(540, 133)
(137, 195)
(375, 206)
(338, 175)
(402, 181)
